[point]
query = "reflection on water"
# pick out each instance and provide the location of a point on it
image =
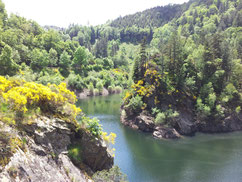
(203, 158)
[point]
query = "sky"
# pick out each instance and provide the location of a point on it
(84, 12)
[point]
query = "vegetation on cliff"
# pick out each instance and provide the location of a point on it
(196, 67)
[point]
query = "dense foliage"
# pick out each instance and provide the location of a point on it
(191, 52)
(194, 59)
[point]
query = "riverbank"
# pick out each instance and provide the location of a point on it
(87, 93)
(186, 124)
(203, 157)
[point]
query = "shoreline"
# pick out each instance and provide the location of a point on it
(87, 94)
(145, 123)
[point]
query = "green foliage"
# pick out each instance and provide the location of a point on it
(75, 82)
(160, 118)
(112, 175)
(39, 59)
(75, 153)
(99, 86)
(135, 103)
(91, 88)
(92, 126)
(238, 109)
(7, 64)
(65, 63)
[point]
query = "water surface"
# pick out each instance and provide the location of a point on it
(203, 158)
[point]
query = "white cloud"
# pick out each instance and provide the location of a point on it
(63, 12)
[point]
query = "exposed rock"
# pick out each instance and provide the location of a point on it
(229, 124)
(27, 166)
(45, 158)
(185, 124)
(95, 153)
(145, 123)
(167, 133)
(86, 93)
(141, 122)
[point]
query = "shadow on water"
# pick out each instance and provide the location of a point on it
(203, 158)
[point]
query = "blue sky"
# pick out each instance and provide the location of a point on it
(63, 12)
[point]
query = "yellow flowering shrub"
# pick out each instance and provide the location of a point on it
(21, 97)
(109, 139)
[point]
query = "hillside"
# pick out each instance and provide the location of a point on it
(192, 80)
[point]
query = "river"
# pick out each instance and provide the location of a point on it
(203, 158)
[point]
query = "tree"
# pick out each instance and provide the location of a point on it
(140, 63)
(39, 59)
(65, 64)
(7, 65)
(53, 57)
(80, 60)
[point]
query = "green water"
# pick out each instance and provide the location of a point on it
(203, 158)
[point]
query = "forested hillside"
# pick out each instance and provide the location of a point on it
(189, 52)
(193, 75)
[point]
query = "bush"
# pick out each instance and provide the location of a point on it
(22, 97)
(74, 152)
(96, 92)
(118, 89)
(76, 82)
(91, 89)
(111, 89)
(92, 126)
(160, 118)
(112, 175)
(100, 87)
(135, 103)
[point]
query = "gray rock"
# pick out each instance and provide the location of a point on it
(185, 124)
(145, 123)
(166, 133)
(45, 158)
(95, 154)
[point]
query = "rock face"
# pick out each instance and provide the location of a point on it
(95, 153)
(185, 124)
(141, 122)
(46, 156)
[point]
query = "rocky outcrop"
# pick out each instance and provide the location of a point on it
(185, 124)
(95, 153)
(229, 124)
(86, 93)
(45, 157)
(142, 122)
(165, 132)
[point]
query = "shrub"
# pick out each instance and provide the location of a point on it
(100, 86)
(75, 153)
(135, 103)
(118, 89)
(112, 175)
(22, 97)
(111, 89)
(76, 82)
(238, 109)
(96, 92)
(91, 88)
(219, 110)
(160, 118)
(94, 127)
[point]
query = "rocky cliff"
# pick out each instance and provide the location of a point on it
(187, 124)
(38, 151)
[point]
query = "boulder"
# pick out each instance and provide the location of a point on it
(94, 153)
(145, 123)
(165, 133)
